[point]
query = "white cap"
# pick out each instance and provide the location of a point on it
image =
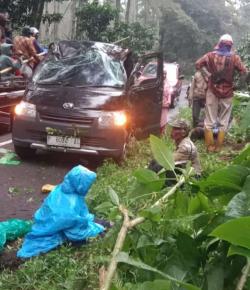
(34, 30)
(226, 38)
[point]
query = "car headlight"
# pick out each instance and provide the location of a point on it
(111, 119)
(25, 109)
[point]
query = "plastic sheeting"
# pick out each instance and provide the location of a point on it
(13, 229)
(82, 64)
(63, 215)
(10, 158)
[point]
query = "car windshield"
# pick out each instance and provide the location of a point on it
(171, 73)
(92, 67)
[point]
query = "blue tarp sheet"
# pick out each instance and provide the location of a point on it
(63, 215)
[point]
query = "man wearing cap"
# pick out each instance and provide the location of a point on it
(221, 63)
(185, 151)
(34, 36)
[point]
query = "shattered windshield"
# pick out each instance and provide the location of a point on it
(81, 66)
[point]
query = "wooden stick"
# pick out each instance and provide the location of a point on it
(3, 71)
(243, 278)
(129, 224)
(121, 40)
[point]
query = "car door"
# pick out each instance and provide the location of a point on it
(145, 96)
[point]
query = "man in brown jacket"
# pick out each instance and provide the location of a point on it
(221, 63)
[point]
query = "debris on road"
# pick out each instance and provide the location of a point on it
(10, 158)
(47, 188)
(13, 229)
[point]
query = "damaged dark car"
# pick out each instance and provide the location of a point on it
(83, 98)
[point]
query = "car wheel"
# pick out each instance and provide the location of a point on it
(25, 152)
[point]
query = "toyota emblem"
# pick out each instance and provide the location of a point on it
(68, 106)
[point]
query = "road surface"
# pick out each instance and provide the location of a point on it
(20, 185)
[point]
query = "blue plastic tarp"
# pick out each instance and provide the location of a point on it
(63, 215)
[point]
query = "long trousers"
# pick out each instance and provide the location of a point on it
(217, 112)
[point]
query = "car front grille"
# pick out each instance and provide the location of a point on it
(92, 141)
(67, 119)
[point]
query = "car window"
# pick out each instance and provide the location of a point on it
(91, 68)
(150, 70)
(171, 73)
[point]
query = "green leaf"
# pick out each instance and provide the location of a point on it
(235, 231)
(123, 257)
(162, 154)
(243, 156)
(188, 249)
(144, 175)
(240, 204)
(114, 197)
(154, 213)
(151, 285)
(225, 181)
(236, 250)
(198, 204)
(214, 277)
(103, 207)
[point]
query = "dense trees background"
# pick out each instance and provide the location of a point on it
(183, 29)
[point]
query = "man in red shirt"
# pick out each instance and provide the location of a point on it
(221, 63)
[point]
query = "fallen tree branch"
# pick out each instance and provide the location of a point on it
(129, 224)
(243, 278)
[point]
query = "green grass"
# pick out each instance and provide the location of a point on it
(77, 268)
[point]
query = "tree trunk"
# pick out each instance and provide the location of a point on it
(118, 7)
(127, 11)
(39, 14)
(73, 15)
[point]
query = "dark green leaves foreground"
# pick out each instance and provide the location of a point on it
(198, 239)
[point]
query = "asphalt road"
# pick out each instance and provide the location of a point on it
(20, 185)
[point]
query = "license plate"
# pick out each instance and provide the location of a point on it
(63, 141)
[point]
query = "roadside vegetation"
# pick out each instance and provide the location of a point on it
(199, 236)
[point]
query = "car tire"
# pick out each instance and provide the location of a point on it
(24, 152)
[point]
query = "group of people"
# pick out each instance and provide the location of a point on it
(212, 89)
(14, 52)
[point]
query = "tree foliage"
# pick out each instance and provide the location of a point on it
(26, 12)
(190, 28)
(107, 28)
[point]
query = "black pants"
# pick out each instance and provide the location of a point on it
(170, 176)
(198, 104)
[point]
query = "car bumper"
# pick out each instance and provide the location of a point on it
(108, 142)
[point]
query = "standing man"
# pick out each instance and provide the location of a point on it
(197, 94)
(221, 63)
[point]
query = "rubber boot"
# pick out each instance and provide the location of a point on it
(220, 140)
(209, 140)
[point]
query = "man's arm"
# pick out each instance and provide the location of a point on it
(31, 50)
(201, 62)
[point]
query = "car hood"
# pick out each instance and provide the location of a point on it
(51, 98)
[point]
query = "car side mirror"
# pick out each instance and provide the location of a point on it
(181, 77)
